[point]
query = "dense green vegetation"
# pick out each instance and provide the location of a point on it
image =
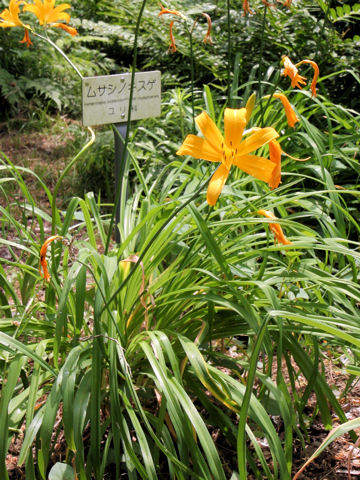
(190, 348)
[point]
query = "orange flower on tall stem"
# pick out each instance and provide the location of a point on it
(315, 76)
(291, 70)
(43, 262)
(230, 149)
(49, 15)
(166, 11)
(9, 18)
(275, 153)
(275, 157)
(172, 46)
(289, 111)
(246, 8)
(207, 38)
(275, 227)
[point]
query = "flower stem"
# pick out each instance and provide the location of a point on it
(126, 140)
(261, 62)
(58, 49)
(63, 175)
(192, 74)
(229, 53)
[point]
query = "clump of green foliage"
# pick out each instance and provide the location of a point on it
(155, 356)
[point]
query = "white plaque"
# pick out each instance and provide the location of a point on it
(105, 99)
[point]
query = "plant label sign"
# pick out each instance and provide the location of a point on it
(105, 99)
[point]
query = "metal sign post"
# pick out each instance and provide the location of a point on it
(105, 100)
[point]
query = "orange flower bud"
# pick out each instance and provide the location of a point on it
(43, 262)
(275, 227)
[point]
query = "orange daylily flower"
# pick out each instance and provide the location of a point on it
(315, 77)
(289, 111)
(230, 149)
(10, 18)
(275, 227)
(207, 38)
(291, 71)
(166, 11)
(65, 27)
(246, 8)
(49, 15)
(26, 38)
(297, 80)
(275, 157)
(172, 46)
(275, 152)
(43, 262)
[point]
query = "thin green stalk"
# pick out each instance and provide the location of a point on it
(192, 72)
(260, 62)
(64, 173)
(229, 53)
(126, 140)
(58, 49)
(276, 84)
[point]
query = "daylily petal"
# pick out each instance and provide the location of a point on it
(26, 38)
(47, 13)
(266, 213)
(289, 68)
(10, 16)
(200, 148)
(291, 71)
(289, 111)
(172, 46)
(43, 262)
(166, 11)
(207, 37)
(55, 17)
(250, 106)
(275, 157)
(234, 124)
(259, 167)
(210, 131)
(297, 81)
(315, 77)
(275, 227)
(279, 234)
(258, 139)
(246, 8)
(232, 152)
(67, 28)
(216, 184)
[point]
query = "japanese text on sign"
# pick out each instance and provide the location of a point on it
(105, 99)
